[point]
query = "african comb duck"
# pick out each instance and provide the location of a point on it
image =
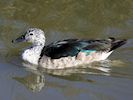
(65, 53)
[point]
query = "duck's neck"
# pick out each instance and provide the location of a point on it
(32, 54)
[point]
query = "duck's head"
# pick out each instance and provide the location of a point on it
(32, 35)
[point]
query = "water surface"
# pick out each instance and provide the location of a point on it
(62, 19)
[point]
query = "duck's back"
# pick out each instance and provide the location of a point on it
(71, 47)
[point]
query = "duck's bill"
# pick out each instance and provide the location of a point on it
(20, 39)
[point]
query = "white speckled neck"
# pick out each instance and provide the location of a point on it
(32, 54)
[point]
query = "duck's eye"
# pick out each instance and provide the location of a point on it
(31, 33)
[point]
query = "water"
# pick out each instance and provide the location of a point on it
(61, 19)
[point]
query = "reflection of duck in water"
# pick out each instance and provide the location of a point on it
(65, 53)
(33, 82)
(36, 80)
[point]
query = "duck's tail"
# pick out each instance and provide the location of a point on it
(116, 43)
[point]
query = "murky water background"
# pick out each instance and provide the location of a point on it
(61, 19)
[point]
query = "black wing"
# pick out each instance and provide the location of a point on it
(71, 47)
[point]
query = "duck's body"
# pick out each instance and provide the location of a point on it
(66, 53)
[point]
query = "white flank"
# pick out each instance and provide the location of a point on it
(105, 55)
(67, 62)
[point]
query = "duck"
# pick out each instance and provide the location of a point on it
(65, 53)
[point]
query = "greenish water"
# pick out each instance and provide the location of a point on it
(61, 19)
